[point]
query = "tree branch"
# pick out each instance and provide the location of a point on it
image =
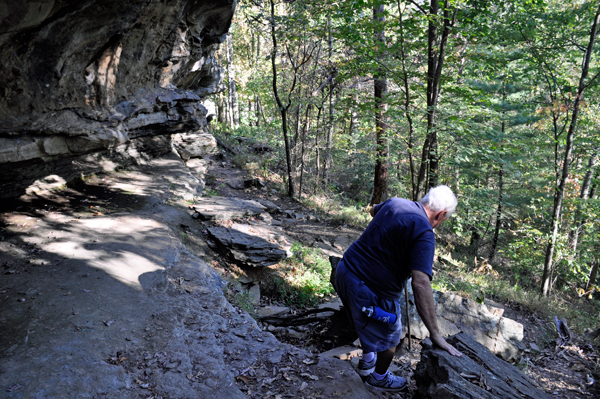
(418, 6)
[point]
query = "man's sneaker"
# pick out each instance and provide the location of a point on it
(390, 383)
(366, 368)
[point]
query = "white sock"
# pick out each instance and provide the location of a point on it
(368, 357)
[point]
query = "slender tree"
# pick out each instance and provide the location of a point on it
(436, 53)
(233, 97)
(380, 183)
(560, 190)
(283, 109)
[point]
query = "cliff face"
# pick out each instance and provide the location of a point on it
(88, 84)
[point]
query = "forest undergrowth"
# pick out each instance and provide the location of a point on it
(459, 267)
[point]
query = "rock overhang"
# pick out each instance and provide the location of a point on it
(100, 77)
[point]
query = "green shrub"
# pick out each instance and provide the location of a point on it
(304, 280)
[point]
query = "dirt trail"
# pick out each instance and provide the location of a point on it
(99, 298)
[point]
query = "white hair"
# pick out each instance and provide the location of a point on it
(440, 198)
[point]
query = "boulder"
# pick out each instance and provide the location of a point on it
(254, 182)
(478, 373)
(248, 246)
(268, 311)
(221, 208)
(499, 334)
(197, 166)
(194, 145)
(270, 206)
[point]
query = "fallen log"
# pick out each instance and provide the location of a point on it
(298, 319)
(478, 373)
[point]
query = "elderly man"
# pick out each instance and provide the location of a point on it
(399, 243)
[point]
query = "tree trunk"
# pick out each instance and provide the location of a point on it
(380, 87)
(317, 153)
(283, 110)
(233, 97)
(499, 211)
(305, 129)
(435, 63)
(221, 110)
(585, 193)
(353, 118)
(327, 168)
(257, 97)
(593, 275)
(560, 191)
(407, 112)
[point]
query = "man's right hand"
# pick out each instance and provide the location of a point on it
(441, 342)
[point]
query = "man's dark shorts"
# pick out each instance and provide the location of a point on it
(375, 336)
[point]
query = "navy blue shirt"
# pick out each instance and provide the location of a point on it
(398, 239)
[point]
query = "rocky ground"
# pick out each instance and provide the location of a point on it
(110, 290)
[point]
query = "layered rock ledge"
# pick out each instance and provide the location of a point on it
(90, 85)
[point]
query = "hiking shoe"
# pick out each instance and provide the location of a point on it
(366, 368)
(390, 383)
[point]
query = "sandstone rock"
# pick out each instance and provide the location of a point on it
(248, 247)
(265, 217)
(269, 206)
(534, 347)
(455, 314)
(197, 166)
(194, 145)
(117, 72)
(254, 294)
(221, 208)
(46, 184)
(343, 352)
(291, 333)
(267, 311)
(476, 374)
(334, 304)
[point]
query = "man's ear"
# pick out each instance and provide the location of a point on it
(440, 215)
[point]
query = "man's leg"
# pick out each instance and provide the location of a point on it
(384, 359)
(383, 380)
(366, 365)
